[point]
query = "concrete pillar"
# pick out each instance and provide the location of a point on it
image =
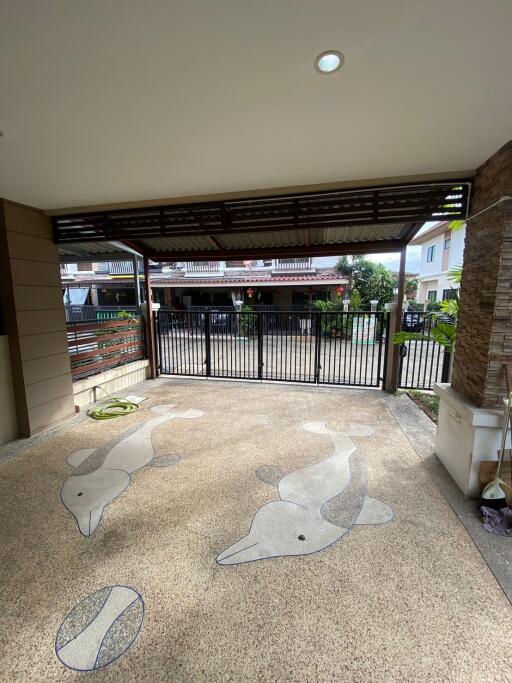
(33, 309)
(471, 409)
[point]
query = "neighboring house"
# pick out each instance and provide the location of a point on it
(286, 283)
(441, 250)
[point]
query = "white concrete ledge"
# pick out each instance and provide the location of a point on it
(478, 417)
(111, 381)
(466, 436)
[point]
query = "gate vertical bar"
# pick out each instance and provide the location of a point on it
(158, 335)
(260, 344)
(207, 344)
(318, 331)
(445, 371)
(386, 347)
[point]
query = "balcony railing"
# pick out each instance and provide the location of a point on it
(81, 313)
(203, 267)
(292, 264)
(120, 267)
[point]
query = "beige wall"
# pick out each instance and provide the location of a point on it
(111, 381)
(8, 423)
(34, 319)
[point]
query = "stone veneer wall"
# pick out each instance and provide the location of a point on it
(484, 336)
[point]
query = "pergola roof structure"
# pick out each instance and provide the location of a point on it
(369, 220)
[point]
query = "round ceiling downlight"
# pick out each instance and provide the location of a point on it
(329, 62)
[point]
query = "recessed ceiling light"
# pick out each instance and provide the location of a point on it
(329, 62)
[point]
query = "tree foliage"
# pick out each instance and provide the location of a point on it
(372, 280)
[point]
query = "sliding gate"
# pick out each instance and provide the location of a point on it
(422, 361)
(306, 346)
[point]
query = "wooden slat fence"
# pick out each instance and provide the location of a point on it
(97, 346)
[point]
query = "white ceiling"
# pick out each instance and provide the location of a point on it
(125, 100)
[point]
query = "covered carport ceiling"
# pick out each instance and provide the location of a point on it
(122, 101)
(369, 220)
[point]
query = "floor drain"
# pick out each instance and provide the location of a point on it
(302, 537)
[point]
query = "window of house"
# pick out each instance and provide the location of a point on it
(432, 295)
(267, 261)
(430, 253)
(449, 294)
(85, 267)
(447, 242)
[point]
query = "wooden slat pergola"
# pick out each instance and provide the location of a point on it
(335, 222)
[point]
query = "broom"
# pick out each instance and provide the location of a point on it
(493, 494)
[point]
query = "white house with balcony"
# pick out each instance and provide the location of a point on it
(442, 250)
(284, 283)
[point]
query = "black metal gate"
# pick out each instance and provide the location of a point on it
(293, 346)
(422, 362)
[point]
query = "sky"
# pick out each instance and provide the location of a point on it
(392, 261)
(413, 255)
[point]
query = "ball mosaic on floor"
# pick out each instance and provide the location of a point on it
(317, 506)
(89, 490)
(100, 628)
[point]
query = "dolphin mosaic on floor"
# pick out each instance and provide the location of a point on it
(317, 506)
(100, 628)
(103, 473)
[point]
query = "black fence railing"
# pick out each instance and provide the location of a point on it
(86, 313)
(296, 346)
(422, 362)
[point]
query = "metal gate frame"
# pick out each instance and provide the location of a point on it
(422, 363)
(312, 347)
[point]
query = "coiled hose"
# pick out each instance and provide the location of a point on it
(111, 407)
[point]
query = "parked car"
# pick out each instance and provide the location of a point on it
(413, 321)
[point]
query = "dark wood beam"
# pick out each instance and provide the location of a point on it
(96, 257)
(214, 243)
(384, 246)
(140, 248)
(412, 230)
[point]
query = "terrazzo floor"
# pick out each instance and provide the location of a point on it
(411, 600)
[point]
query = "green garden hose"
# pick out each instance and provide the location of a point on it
(111, 407)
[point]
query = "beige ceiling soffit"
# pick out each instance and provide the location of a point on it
(23, 206)
(268, 192)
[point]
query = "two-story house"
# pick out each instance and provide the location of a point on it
(285, 283)
(442, 250)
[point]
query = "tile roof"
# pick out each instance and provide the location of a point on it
(179, 280)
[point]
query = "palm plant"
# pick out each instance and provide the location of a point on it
(442, 333)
